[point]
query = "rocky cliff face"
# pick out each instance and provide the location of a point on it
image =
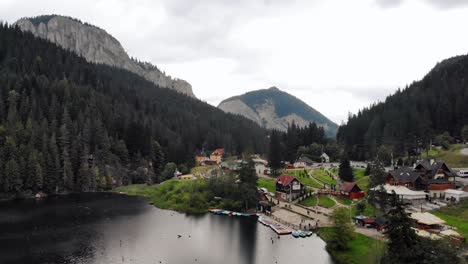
(275, 109)
(97, 46)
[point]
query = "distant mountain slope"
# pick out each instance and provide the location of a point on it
(275, 109)
(97, 46)
(412, 117)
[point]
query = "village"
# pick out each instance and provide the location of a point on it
(305, 194)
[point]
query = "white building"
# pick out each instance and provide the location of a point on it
(405, 194)
(455, 195)
(325, 158)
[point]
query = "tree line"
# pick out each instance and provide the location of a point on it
(412, 118)
(69, 125)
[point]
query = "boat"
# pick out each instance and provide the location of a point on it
(296, 234)
(302, 234)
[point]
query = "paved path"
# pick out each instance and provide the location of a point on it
(464, 151)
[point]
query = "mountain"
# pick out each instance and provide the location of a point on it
(411, 118)
(97, 46)
(70, 125)
(275, 109)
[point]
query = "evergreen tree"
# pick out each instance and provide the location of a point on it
(274, 153)
(248, 183)
(12, 176)
(345, 171)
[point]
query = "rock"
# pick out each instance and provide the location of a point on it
(97, 46)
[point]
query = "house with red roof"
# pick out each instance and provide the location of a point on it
(288, 188)
(217, 155)
(351, 190)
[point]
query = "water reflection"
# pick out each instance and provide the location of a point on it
(111, 228)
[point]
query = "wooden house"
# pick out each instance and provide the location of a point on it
(351, 190)
(217, 155)
(288, 188)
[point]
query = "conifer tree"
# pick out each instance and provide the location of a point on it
(345, 171)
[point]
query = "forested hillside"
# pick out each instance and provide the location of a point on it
(68, 125)
(412, 118)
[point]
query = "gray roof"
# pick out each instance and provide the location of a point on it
(405, 174)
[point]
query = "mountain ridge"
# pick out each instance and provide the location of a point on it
(97, 46)
(273, 108)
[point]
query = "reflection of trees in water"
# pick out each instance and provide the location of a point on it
(248, 240)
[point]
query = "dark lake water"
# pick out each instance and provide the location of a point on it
(113, 228)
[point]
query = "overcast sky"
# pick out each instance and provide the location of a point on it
(336, 55)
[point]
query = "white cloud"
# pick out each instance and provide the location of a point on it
(336, 55)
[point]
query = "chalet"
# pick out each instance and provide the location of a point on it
(404, 176)
(351, 190)
(303, 162)
(288, 188)
(438, 177)
(201, 160)
(217, 155)
(325, 158)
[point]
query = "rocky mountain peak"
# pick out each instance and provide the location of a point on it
(97, 46)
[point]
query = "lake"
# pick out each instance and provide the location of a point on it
(113, 228)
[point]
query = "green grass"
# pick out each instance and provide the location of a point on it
(370, 210)
(202, 169)
(452, 156)
(363, 183)
(362, 249)
(269, 184)
(304, 178)
(323, 176)
(456, 216)
(182, 196)
(358, 174)
(309, 201)
(344, 201)
(325, 201)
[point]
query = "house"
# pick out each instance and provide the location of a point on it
(405, 194)
(217, 155)
(231, 166)
(427, 221)
(303, 162)
(432, 177)
(351, 190)
(455, 195)
(288, 188)
(437, 177)
(404, 176)
(187, 177)
(201, 160)
(325, 158)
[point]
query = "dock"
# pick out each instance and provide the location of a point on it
(278, 228)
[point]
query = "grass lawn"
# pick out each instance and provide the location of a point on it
(269, 184)
(452, 156)
(370, 210)
(202, 169)
(304, 178)
(456, 216)
(182, 196)
(325, 201)
(362, 249)
(363, 183)
(310, 201)
(344, 201)
(358, 174)
(323, 176)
